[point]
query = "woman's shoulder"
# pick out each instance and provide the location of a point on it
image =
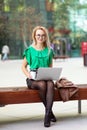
(27, 50)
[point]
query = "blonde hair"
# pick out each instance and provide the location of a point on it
(47, 42)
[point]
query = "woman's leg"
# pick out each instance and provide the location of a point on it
(49, 116)
(46, 91)
(41, 86)
(49, 95)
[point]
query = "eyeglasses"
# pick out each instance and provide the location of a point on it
(42, 36)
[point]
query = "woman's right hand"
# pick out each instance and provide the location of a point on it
(29, 76)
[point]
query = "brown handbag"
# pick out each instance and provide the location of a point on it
(67, 89)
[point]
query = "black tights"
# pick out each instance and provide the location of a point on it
(46, 91)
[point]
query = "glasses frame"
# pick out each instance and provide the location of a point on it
(42, 36)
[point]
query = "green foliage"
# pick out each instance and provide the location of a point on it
(22, 23)
(61, 14)
(20, 20)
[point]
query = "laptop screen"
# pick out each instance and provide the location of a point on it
(48, 73)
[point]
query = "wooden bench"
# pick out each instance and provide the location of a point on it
(18, 95)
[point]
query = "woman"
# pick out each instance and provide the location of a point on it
(39, 54)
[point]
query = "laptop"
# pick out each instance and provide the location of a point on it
(48, 73)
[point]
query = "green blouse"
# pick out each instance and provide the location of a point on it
(38, 58)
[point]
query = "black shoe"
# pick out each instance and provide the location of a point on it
(52, 117)
(47, 121)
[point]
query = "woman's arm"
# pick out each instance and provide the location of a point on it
(24, 68)
(51, 65)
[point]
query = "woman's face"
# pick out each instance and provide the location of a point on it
(40, 36)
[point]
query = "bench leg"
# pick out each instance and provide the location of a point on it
(79, 106)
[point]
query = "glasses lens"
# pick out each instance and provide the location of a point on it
(42, 36)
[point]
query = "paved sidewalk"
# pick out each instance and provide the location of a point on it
(31, 116)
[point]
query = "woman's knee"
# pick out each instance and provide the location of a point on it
(42, 84)
(39, 85)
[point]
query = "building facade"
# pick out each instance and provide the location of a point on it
(65, 20)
